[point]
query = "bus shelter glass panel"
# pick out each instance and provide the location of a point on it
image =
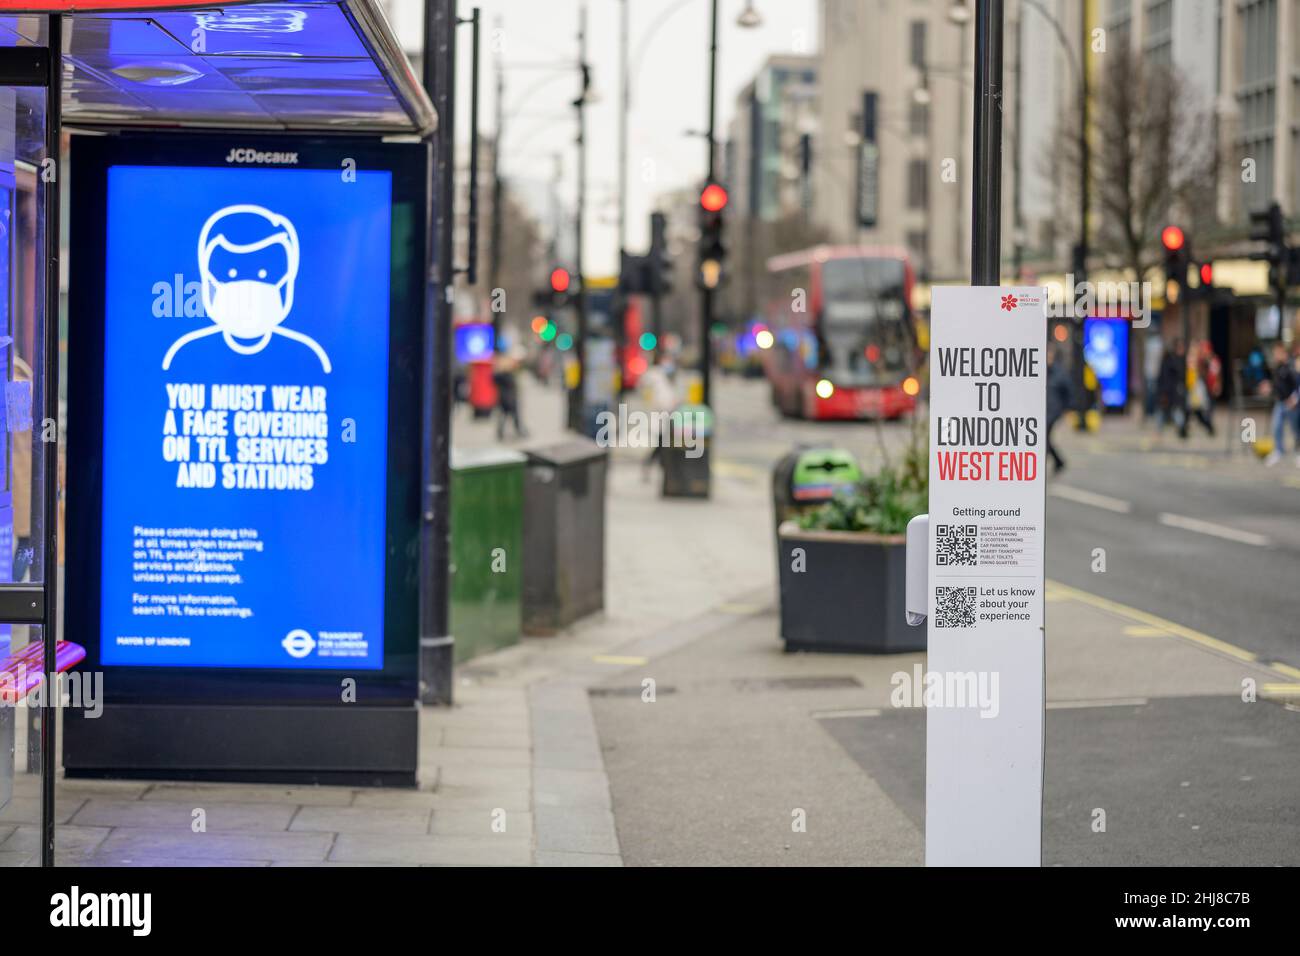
(24, 178)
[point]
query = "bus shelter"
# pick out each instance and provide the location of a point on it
(215, 223)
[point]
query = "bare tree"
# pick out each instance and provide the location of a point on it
(1153, 160)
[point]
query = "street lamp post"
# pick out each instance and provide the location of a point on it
(576, 404)
(986, 200)
(706, 293)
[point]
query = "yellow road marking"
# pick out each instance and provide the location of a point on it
(1145, 630)
(1279, 690)
(734, 469)
(1155, 621)
(616, 659)
(1286, 669)
(739, 608)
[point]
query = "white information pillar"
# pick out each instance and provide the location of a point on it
(985, 686)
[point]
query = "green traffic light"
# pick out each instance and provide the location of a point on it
(648, 341)
(549, 332)
(564, 342)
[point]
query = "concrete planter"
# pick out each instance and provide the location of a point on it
(849, 595)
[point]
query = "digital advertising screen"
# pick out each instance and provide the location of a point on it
(1105, 349)
(474, 342)
(243, 515)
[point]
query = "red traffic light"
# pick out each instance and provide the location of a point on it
(713, 198)
(560, 280)
(1207, 274)
(1172, 238)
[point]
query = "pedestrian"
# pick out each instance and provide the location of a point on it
(1200, 399)
(659, 386)
(505, 375)
(1058, 400)
(1282, 384)
(1171, 388)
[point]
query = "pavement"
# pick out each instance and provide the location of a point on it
(672, 729)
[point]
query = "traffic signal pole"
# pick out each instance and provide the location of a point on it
(706, 294)
(435, 526)
(580, 347)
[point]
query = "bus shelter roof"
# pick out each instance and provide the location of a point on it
(316, 65)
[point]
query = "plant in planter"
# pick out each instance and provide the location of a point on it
(843, 564)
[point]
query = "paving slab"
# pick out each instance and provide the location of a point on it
(490, 850)
(195, 794)
(180, 814)
(176, 844)
(357, 820)
(517, 823)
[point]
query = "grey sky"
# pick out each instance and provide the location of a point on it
(668, 93)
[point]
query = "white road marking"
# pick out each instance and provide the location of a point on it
(1210, 528)
(1082, 497)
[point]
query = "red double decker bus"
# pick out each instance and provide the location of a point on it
(843, 343)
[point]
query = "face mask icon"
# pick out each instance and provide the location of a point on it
(245, 301)
(247, 308)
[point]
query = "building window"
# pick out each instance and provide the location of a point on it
(918, 44)
(918, 120)
(1257, 97)
(917, 184)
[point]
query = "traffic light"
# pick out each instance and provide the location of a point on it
(713, 201)
(1177, 257)
(659, 272)
(1267, 225)
(556, 296)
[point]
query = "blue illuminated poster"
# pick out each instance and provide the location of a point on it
(245, 417)
(1105, 349)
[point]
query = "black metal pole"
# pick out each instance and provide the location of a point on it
(494, 253)
(619, 315)
(706, 293)
(576, 402)
(986, 204)
(626, 106)
(1085, 178)
(471, 245)
(49, 386)
(436, 642)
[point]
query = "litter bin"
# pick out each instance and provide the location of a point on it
(684, 452)
(487, 549)
(564, 534)
(806, 477)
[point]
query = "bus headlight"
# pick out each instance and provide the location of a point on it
(825, 389)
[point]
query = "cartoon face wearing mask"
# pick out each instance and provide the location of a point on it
(247, 304)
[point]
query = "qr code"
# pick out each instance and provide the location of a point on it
(955, 544)
(954, 607)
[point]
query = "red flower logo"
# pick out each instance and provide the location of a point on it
(1009, 302)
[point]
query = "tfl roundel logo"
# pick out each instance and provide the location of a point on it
(298, 643)
(1009, 302)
